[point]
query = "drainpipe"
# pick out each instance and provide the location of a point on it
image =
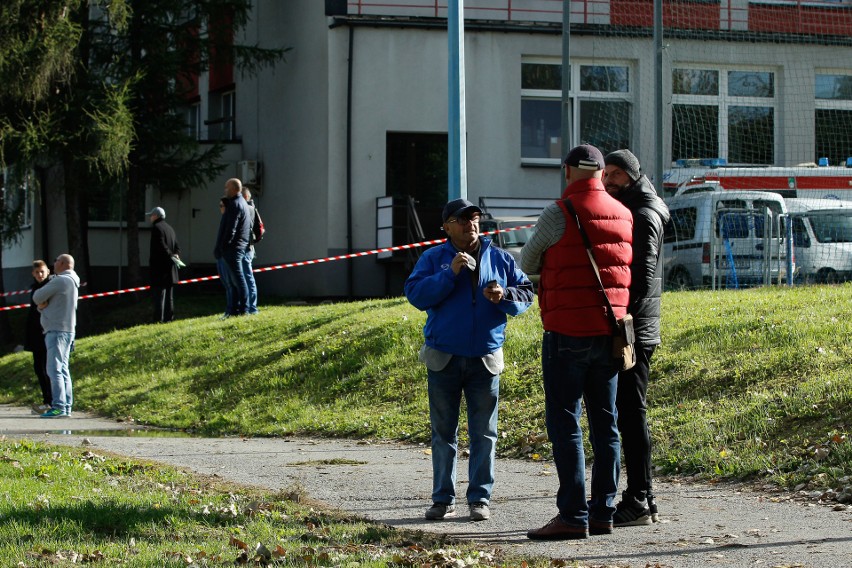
(349, 248)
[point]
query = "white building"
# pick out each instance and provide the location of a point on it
(358, 112)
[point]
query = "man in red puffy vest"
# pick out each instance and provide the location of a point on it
(577, 361)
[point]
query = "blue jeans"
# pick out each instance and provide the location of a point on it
(234, 271)
(58, 344)
(225, 279)
(481, 390)
(251, 304)
(577, 369)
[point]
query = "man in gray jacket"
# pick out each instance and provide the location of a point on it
(624, 181)
(57, 302)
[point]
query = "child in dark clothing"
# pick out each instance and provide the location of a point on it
(34, 339)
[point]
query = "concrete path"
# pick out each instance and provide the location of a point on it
(701, 525)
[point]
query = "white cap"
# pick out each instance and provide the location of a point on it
(158, 211)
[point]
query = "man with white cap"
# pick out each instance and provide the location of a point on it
(577, 360)
(162, 265)
(467, 287)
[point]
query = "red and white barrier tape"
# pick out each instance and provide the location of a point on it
(279, 266)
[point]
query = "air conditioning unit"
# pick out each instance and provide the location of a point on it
(249, 172)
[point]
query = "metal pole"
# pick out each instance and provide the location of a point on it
(658, 103)
(457, 128)
(567, 114)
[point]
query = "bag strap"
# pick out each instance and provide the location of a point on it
(610, 312)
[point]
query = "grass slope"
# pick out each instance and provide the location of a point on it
(746, 384)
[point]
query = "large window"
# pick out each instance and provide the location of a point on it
(833, 120)
(721, 113)
(601, 106)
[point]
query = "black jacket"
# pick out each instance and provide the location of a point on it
(234, 227)
(650, 214)
(164, 244)
(34, 337)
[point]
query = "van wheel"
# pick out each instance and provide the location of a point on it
(826, 276)
(679, 279)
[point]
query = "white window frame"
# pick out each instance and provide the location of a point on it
(576, 96)
(724, 101)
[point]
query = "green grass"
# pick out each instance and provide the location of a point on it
(747, 384)
(63, 506)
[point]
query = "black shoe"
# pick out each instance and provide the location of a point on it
(652, 506)
(631, 513)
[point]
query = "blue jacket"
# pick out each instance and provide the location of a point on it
(461, 321)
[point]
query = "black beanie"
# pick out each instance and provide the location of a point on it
(625, 160)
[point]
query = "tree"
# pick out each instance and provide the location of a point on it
(37, 43)
(167, 44)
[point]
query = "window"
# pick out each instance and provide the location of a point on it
(193, 120)
(681, 226)
(222, 122)
(723, 113)
(18, 202)
(833, 120)
(601, 105)
(108, 203)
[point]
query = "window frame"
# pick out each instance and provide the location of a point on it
(577, 97)
(724, 102)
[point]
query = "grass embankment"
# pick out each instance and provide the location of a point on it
(747, 384)
(64, 507)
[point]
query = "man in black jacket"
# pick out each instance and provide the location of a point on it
(164, 270)
(624, 181)
(232, 241)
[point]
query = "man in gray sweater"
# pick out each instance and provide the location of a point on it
(57, 302)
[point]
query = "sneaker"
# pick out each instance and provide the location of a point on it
(40, 408)
(479, 512)
(53, 413)
(440, 511)
(631, 513)
(652, 506)
(557, 529)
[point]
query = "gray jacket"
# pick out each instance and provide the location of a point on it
(61, 297)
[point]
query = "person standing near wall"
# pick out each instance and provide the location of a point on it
(57, 302)
(467, 287)
(624, 181)
(577, 361)
(34, 338)
(232, 240)
(248, 259)
(162, 265)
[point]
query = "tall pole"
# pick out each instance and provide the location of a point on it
(658, 103)
(567, 126)
(457, 128)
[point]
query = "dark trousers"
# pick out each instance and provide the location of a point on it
(40, 368)
(633, 424)
(164, 303)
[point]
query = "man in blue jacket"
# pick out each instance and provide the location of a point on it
(232, 241)
(467, 286)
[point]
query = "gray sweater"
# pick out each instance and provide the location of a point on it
(61, 297)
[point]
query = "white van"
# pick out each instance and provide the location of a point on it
(822, 236)
(743, 232)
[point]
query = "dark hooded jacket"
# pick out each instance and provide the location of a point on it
(650, 214)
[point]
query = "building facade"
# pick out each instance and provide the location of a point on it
(356, 118)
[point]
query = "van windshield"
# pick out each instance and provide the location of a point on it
(832, 228)
(519, 237)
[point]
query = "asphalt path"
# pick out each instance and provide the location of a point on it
(700, 524)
